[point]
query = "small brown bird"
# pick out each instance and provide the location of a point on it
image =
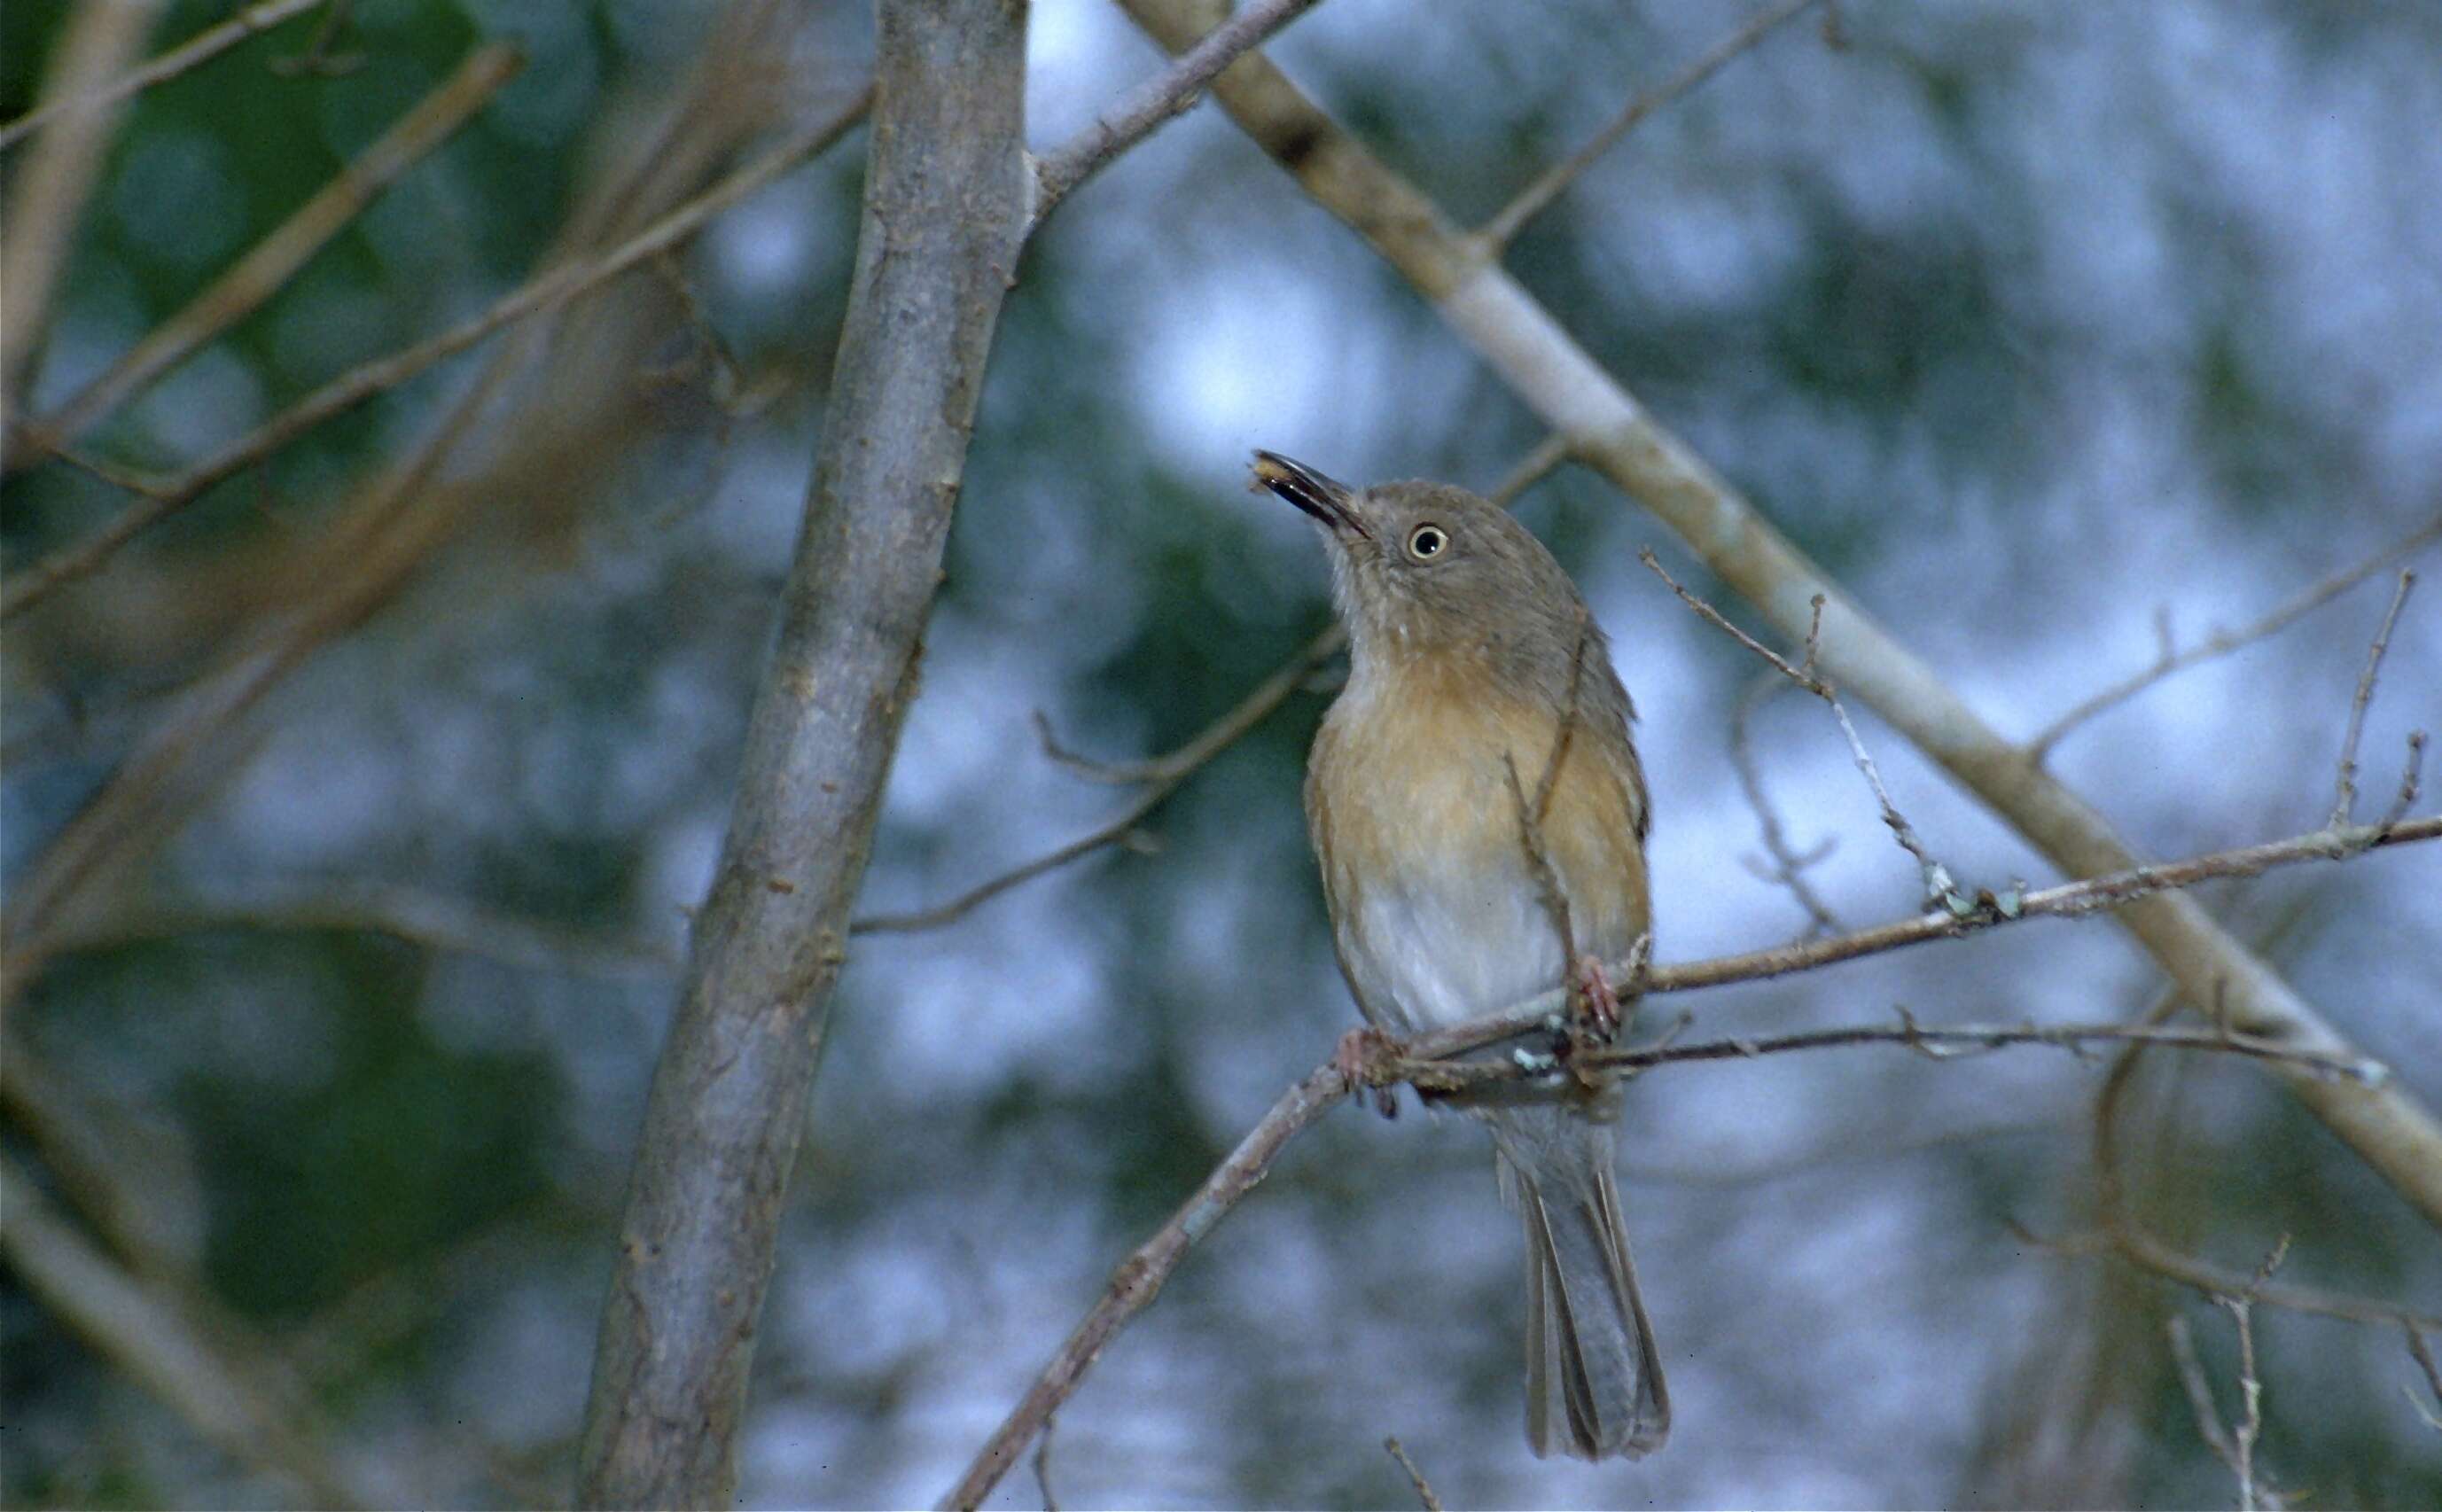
(1472, 660)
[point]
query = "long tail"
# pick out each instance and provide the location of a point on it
(1593, 1378)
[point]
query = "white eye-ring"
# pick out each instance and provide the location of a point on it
(1426, 542)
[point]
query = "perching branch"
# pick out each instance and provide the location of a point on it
(263, 271)
(1429, 1062)
(1536, 197)
(944, 219)
(1610, 431)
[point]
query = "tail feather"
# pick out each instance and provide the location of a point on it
(1594, 1378)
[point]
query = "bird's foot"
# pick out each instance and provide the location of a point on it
(1366, 1057)
(1597, 1003)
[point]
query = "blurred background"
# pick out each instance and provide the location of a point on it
(362, 804)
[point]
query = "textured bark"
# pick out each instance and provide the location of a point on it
(1610, 431)
(944, 216)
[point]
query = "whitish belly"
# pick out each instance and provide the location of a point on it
(1438, 945)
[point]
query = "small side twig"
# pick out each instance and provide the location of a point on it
(1548, 185)
(1939, 889)
(2344, 794)
(1788, 866)
(1043, 1466)
(2169, 660)
(201, 48)
(1155, 100)
(1415, 1477)
(2422, 1352)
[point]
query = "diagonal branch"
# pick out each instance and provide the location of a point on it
(2222, 642)
(25, 589)
(1611, 432)
(195, 52)
(269, 266)
(1538, 196)
(1168, 94)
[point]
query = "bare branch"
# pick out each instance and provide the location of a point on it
(2423, 1354)
(2200, 1399)
(1532, 201)
(944, 220)
(1610, 431)
(195, 52)
(1415, 1477)
(2345, 796)
(47, 194)
(1155, 100)
(269, 266)
(1043, 1467)
(25, 589)
(2221, 642)
(1937, 887)
(1788, 867)
(1139, 1277)
(233, 1396)
(2411, 774)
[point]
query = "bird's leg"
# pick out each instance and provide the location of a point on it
(1365, 1057)
(1594, 1000)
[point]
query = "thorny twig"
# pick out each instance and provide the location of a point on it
(2344, 795)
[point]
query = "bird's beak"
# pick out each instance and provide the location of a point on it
(1325, 500)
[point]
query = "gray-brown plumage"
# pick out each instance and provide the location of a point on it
(1468, 646)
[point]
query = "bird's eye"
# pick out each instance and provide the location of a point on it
(1425, 542)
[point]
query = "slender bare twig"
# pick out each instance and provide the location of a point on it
(2191, 1379)
(2222, 642)
(1165, 774)
(1140, 1276)
(2422, 1352)
(1536, 197)
(2411, 776)
(1939, 887)
(1415, 1477)
(1043, 1467)
(47, 192)
(267, 267)
(233, 1395)
(1788, 866)
(1611, 432)
(2344, 795)
(562, 283)
(2249, 1427)
(201, 48)
(1155, 100)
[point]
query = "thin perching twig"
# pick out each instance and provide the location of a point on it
(23, 590)
(2344, 795)
(1536, 197)
(2423, 1354)
(1155, 100)
(261, 272)
(201, 48)
(2221, 642)
(1415, 1476)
